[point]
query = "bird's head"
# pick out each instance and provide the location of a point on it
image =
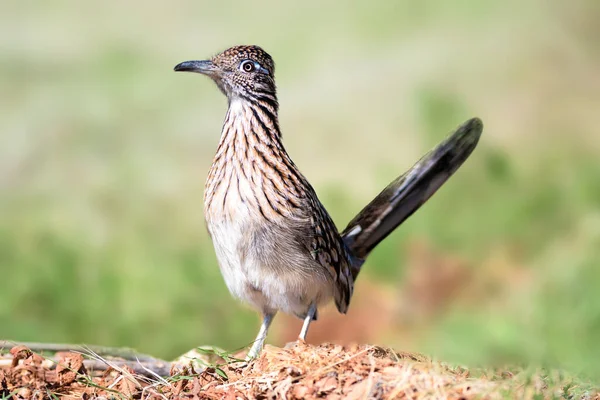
(245, 72)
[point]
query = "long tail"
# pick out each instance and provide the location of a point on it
(401, 198)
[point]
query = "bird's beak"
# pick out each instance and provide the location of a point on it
(205, 67)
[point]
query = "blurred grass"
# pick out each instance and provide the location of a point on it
(104, 151)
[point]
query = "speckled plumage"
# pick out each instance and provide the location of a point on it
(284, 237)
(277, 247)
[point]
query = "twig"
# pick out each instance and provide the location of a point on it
(140, 364)
(120, 352)
(148, 369)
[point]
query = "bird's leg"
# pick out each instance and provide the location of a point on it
(262, 335)
(312, 311)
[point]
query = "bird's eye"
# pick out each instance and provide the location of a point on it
(248, 66)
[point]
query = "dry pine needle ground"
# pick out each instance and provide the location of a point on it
(299, 371)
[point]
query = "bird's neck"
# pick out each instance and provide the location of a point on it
(251, 154)
(251, 125)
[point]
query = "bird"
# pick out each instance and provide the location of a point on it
(277, 247)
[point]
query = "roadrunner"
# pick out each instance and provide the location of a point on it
(276, 245)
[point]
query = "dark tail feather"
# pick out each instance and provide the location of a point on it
(409, 191)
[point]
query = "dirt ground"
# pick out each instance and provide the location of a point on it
(299, 371)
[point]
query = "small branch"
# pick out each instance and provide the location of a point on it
(148, 369)
(119, 352)
(99, 358)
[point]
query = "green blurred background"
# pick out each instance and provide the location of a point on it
(104, 152)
